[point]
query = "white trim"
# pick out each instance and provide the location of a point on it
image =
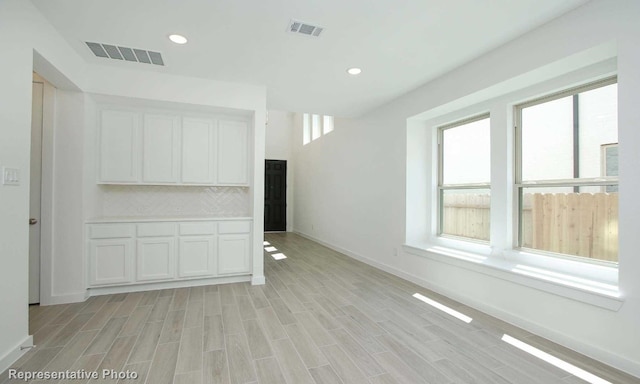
(46, 196)
(590, 292)
(594, 352)
(66, 299)
(258, 280)
(579, 267)
(99, 291)
(15, 353)
(257, 204)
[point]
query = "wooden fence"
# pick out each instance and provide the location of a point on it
(581, 224)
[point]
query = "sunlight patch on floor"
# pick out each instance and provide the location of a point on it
(443, 308)
(572, 369)
(278, 256)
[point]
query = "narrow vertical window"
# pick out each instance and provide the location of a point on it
(464, 179)
(315, 127)
(327, 124)
(306, 129)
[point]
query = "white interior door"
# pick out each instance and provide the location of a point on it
(35, 192)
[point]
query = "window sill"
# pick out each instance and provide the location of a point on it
(598, 292)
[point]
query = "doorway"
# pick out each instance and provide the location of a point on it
(275, 196)
(35, 192)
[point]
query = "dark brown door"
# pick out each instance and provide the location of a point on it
(275, 195)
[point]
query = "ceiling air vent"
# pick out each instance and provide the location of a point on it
(298, 27)
(108, 51)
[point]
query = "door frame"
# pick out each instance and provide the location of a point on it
(46, 191)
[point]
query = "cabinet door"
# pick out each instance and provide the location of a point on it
(155, 258)
(198, 151)
(119, 147)
(197, 256)
(110, 261)
(233, 254)
(160, 153)
(232, 153)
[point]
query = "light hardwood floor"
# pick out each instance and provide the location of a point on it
(321, 318)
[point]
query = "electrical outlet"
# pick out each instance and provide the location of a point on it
(395, 251)
(10, 176)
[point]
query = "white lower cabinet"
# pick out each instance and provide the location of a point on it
(138, 253)
(233, 254)
(110, 261)
(197, 256)
(234, 247)
(155, 259)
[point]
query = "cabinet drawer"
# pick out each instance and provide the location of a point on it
(234, 227)
(111, 231)
(197, 229)
(156, 229)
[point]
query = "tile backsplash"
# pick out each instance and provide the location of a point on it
(151, 200)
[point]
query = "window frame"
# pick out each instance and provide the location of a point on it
(441, 187)
(520, 184)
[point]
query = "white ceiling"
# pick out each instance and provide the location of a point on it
(399, 44)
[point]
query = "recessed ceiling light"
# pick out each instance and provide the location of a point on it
(354, 71)
(178, 39)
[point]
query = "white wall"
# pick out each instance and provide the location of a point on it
(351, 186)
(30, 43)
(75, 166)
(180, 89)
(22, 30)
(67, 269)
(279, 146)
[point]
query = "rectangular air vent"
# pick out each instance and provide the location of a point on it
(114, 52)
(301, 28)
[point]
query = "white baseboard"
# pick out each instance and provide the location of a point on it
(15, 353)
(99, 291)
(606, 357)
(65, 299)
(258, 280)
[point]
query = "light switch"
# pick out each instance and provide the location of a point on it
(10, 176)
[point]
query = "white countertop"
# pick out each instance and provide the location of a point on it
(147, 219)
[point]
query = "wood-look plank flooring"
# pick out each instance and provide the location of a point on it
(321, 318)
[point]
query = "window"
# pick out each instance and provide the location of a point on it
(306, 129)
(314, 126)
(463, 179)
(567, 172)
(327, 124)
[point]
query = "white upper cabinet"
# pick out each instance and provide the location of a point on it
(233, 153)
(148, 147)
(198, 150)
(160, 135)
(119, 147)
